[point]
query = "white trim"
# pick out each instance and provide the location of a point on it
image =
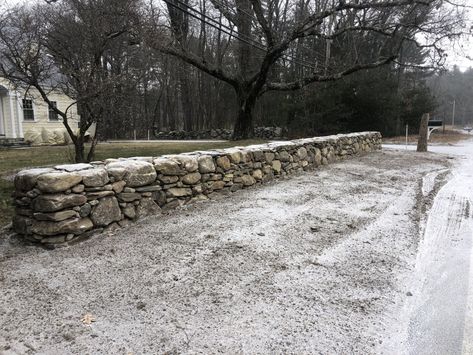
(12, 119)
(20, 115)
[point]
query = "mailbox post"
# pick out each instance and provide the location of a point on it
(433, 125)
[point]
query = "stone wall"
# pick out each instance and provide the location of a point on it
(70, 202)
(221, 133)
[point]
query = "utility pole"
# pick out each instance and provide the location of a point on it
(453, 114)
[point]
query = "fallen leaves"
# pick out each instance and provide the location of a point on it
(88, 319)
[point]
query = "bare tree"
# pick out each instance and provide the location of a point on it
(266, 36)
(63, 46)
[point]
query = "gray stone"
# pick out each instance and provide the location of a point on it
(284, 156)
(118, 186)
(159, 197)
(106, 212)
(78, 188)
(147, 207)
(276, 165)
(128, 189)
(187, 162)
(167, 167)
(257, 174)
(128, 196)
(57, 181)
(74, 226)
(26, 179)
(224, 162)
(73, 167)
(152, 188)
(235, 155)
(302, 153)
(99, 194)
(247, 180)
(206, 164)
(179, 192)
(55, 216)
(129, 211)
(269, 156)
(217, 185)
(56, 202)
(85, 210)
(133, 172)
(168, 179)
(191, 179)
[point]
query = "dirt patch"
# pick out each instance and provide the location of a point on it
(313, 263)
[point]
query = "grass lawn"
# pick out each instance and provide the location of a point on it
(12, 160)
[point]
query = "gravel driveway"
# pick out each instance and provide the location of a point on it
(312, 264)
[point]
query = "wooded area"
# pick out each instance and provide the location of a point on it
(314, 67)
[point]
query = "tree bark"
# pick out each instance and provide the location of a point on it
(243, 128)
(423, 132)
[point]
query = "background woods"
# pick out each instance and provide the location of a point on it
(315, 67)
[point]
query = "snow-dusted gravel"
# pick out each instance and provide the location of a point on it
(317, 263)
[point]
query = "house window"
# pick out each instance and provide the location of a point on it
(28, 113)
(53, 114)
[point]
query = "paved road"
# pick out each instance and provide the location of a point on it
(438, 318)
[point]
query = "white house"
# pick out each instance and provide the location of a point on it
(29, 117)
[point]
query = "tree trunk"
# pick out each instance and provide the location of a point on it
(79, 149)
(423, 133)
(243, 128)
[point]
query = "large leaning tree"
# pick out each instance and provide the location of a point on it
(246, 43)
(63, 45)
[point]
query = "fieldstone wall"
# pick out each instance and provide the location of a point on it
(222, 133)
(69, 202)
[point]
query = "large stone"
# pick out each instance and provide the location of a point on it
(257, 174)
(55, 216)
(302, 153)
(217, 185)
(106, 212)
(269, 156)
(248, 180)
(133, 172)
(57, 181)
(284, 156)
(191, 179)
(188, 162)
(168, 179)
(25, 180)
(129, 211)
(151, 188)
(179, 192)
(73, 167)
(206, 164)
(235, 155)
(276, 165)
(98, 194)
(167, 167)
(147, 207)
(224, 162)
(118, 186)
(129, 196)
(56, 202)
(94, 177)
(73, 226)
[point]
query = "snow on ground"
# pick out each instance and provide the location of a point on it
(438, 318)
(318, 263)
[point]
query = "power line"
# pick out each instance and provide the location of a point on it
(225, 29)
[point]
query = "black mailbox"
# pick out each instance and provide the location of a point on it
(435, 123)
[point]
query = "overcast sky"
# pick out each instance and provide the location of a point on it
(460, 53)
